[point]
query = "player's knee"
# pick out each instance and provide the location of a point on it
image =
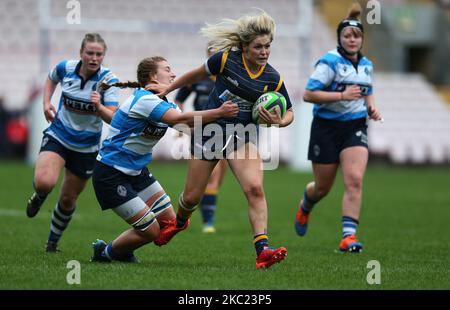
(353, 182)
(190, 200)
(187, 202)
(43, 183)
(67, 201)
(254, 190)
(321, 191)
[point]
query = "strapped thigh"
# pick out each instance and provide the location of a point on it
(161, 203)
(133, 207)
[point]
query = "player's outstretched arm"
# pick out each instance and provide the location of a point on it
(173, 117)
(188, 78)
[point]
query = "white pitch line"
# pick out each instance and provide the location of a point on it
(19, 213)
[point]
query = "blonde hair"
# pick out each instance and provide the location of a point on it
(146, 67)
(231, 33)
(93, 37)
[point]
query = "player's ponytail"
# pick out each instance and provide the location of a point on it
(355, 12)
(147, 66)
(128, 84)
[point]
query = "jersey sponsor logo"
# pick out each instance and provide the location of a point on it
(244, 105)
(152, 131)
(79, 106)
(234, 82)
(364, 88)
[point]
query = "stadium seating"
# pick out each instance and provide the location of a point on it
(417, 120)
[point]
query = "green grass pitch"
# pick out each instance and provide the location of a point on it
(405, 225)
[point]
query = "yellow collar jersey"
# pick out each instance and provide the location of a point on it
(235, 82)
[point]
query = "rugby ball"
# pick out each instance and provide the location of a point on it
(273, 102)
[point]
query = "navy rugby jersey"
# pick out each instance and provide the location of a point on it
(77, 125)
(201, 89)
(235, 82)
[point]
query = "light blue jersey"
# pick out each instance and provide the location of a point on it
(134, 130)
(334, 73)
(77, 125)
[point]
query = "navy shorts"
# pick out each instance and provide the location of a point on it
(330, 137)
(113, 187)
(221, 145)
(80, 164)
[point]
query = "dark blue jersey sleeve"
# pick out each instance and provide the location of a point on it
(183, 93)
(284, 92)
(216, 62)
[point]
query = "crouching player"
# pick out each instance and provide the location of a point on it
(121, 179)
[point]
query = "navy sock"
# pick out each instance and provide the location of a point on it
(308, 204)
(109, 252)
(261, 242)
(208, 208)
(349, 226)
(60, 221)
(180, 220)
